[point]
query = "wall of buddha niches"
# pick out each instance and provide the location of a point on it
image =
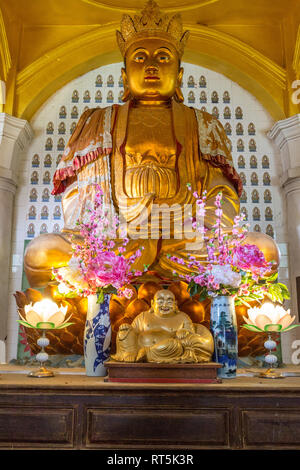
(245, 121)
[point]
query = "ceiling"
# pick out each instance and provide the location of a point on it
(48, 23)
(57, 12)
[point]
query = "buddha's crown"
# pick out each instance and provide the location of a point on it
(151, 24)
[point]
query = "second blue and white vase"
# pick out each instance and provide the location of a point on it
(97, 336)
(223, 326)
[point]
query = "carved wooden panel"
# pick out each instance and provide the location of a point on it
(271, 427)
(157, 427)
(28, 426)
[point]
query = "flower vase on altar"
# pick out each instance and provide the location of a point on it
(96, 270)
(97, 336)
(236, 273)
(223, 326)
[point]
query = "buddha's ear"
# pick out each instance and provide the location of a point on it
(178, 93)
(126, 94)
(180, 75)
(124, 76)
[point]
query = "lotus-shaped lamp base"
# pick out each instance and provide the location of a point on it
(42, 357)
(41, 372)
(271, 359)
(270, 374)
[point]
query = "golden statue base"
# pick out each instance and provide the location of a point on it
(270, 374)
(41, 373)
(152, 372)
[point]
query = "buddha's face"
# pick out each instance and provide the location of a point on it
(164, 303)
(152, 70)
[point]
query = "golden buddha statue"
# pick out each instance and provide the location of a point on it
(144, 154)
(163, 334)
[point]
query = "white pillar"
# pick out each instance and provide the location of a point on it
(15, 135)
(286, 136)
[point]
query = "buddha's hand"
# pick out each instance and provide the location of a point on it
(182, 333)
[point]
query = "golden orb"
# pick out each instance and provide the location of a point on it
(267, 245)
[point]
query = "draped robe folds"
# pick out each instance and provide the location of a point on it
(96, 154)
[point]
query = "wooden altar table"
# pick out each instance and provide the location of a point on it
(72, 411)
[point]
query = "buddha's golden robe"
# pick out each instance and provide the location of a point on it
(137, 182)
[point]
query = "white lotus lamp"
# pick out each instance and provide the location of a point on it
(44, 315)
(269, 318)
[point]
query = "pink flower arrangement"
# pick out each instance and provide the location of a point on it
(233, 266)
(250, 258)
(98, 265)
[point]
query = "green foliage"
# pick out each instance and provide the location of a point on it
(256, 290)
(277, 292)
(105, 290)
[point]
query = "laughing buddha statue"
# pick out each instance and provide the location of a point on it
(163, 334)
(152, 151)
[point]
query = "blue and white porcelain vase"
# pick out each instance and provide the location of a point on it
(97, 336)
(224, 330)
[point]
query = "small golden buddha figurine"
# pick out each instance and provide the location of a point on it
(163, 334)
